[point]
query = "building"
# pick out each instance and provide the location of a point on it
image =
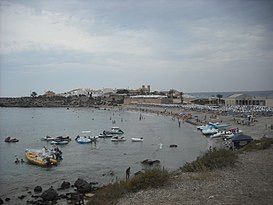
(243, 99)
(269, 100)
(49, 93)
(148, 99)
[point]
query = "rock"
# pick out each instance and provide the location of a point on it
(89, 195)
(38, 189)
(150, 162)
(29, 192)
(21, 197)
(82, 186)
(49, 195)
(65, 185)
(138, 173)
(1, 201)
(7, 199)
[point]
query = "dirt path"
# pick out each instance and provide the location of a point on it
(250, 182)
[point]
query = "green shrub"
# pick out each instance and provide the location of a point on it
(261, 144)
(213, 159)
(110, 193)
(150, 178)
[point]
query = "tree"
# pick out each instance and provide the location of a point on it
(219, 96)
(33, 94)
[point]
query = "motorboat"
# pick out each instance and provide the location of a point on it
(48, 138)
(209, 131)
(40, 160)
(83, 140)
(137, 139)
(61, 138)
(86, 140)
(10, 139)
(115, 131)
(118, 139)
(218, 125)
(59, 142)
(104, 135)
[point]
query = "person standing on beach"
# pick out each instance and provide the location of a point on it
(128, 171)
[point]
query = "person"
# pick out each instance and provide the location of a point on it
(22, 161)
(16, 161)
(128, 171)
(48, 163)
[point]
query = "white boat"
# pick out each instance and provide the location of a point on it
(118, 139)
(137, 139)
(86, 131)
(209, 131)
(63, 142)
(48, 138)
(114, 131)
(83, 140)
(219, 134)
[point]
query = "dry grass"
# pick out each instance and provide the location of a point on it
(261, 144)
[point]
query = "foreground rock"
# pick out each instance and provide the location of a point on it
(83, 186)
(38, 189)
(65, 185)
(49, 195)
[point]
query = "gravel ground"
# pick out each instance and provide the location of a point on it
(249, 182)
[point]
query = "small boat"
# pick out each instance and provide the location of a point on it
(104, 136)
(83, 140)
(38, 159)
(59, 142)
(61, 138)
(209, 131)
(48, 138)
(118, 139)
(10, 139)
(115, 131)
(137, 139)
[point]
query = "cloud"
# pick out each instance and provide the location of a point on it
(24, 29)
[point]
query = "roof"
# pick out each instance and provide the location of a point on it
(235, 95)
(149, 96)
(241, 137)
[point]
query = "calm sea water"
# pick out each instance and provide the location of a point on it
(89, 161)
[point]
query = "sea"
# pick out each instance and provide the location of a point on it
(103, 162)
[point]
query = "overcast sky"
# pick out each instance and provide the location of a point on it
(186, 45)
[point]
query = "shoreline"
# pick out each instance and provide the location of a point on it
(174, 113)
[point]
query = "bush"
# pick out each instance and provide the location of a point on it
(150, 178)
(110, 193)
(261, 144)
(213, 159)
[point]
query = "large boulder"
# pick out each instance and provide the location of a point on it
(82, 186)
(1, 201)
(38, 189)
(49, 195)
(65, 185)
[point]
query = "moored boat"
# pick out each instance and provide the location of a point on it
(37, 159)
(115, 131)
(48, 138)
(118, 139)
(135, 139)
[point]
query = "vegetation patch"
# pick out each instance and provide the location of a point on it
(261, 144)
(109, 194)
(213, 159)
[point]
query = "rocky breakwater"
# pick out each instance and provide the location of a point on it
(42, 101)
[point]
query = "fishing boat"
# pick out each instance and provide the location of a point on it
(118, 139)
(137, 139)
(114, 131)
(38, 159)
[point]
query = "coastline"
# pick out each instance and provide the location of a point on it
(173, 112)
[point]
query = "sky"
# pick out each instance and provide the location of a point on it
(191, 46)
